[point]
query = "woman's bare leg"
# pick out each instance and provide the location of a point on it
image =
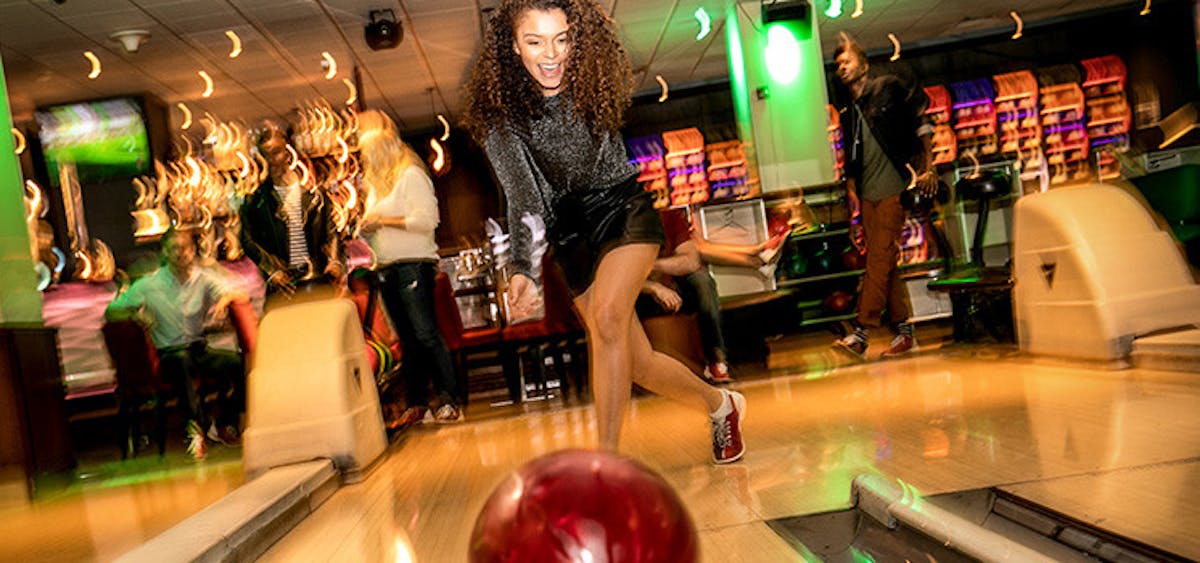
(616, 351)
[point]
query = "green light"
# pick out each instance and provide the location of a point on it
(737, 74)
(834, 10)
(783, 54)
(705, 23)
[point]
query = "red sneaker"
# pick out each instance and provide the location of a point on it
(901, 344)
(410, 417)
(727, 431)
(718, 373)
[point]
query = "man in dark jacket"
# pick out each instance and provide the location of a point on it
(888, 149)
(287, 229)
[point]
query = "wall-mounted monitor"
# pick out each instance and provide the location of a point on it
(103, 139)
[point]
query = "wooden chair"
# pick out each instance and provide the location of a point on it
(139, 386)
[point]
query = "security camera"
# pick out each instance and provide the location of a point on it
(383, 31)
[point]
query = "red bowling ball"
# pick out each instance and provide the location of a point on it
(582, 505)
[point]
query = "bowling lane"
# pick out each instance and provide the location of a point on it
(952, 421)
(114, 507)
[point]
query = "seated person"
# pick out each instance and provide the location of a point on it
(679, 281)
(174, 303)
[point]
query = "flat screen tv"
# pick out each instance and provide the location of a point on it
(104, 138)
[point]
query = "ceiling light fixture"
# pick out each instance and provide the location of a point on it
(34, 197)
(895, 47)
(857, 9)
(705, 22)
(237, 43)
(439, 159)
(96, 70)
(445, 127)
(1145, 10)
(834, 10)
(353, 97)
(208, 84)
(662, 83)
(329, 65)
(130, 39)
(187, 115)
(1020, 24)
(19, 139)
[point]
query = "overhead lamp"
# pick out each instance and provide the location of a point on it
(130, 39)
(236, 49)
(353, 92)
(705, 22)
(96, 69)
(1020, 24)
(208, 84)
(19, 138)
(834, 10)
(786, 10)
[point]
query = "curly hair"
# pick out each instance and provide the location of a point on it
(501, 92)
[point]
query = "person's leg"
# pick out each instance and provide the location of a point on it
(417, 296)
(176, 366)
(416, 379)
(890, 218)
(607, 311)
(700, 290)
(883, 248)
(227, 368)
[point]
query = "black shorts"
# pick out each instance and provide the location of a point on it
(589, 223)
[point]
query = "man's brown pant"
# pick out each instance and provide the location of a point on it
(881, 285)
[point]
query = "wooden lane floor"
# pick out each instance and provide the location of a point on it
(946, 421)
(113, 506)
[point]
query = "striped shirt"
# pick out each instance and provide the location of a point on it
(297, 248)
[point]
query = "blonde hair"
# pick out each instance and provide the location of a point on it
(384, 156)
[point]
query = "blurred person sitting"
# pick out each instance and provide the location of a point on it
(174, 303)
(287, 229)
(679, 281)
(401, 214)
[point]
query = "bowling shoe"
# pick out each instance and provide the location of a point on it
(718, 373)
(448, 413)
(854, 343)
(727, 430)
(901, 344)
(196, 446)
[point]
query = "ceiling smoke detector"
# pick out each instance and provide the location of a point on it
(130, 39)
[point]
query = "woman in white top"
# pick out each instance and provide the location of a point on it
(400, 218)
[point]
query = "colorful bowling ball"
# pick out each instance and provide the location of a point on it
(777, 224)
(580, 505)
(853, 259)
(821, 261)
(838, 302)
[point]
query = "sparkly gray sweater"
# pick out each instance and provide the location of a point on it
(538, 162)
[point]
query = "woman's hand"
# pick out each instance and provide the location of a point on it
(523, 296)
